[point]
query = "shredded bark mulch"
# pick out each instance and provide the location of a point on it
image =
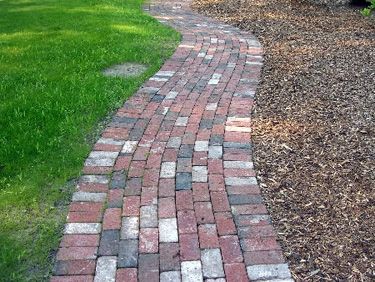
(314, 139)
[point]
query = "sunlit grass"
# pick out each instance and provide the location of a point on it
(52, 98)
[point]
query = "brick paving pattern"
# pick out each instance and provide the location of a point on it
(169, 192)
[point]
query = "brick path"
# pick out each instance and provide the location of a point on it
(169, 192)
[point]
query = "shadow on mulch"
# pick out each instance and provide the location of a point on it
(314, 139)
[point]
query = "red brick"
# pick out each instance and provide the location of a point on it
(76, 253)
(259, 244)
(149, 195)
(154, 160)
(80, 240)
(254, 231)
(216, 182)
(122, 163)
(74, 267)
(263, 257)
(116, 133)
(184, 200)
(115, 197)
(151, 177)
(215, 166)
(141, 153)
(131, 206)
(85, 207)
(239, 172)
(186, 222)
(208, 236)
(235, 272)
(200, 158)
(166, 187)
(126, 275)
(250, 209)
(136, 169)
(75, 278)
(170, 155)
(231, 249)
(200, 192)
(203, 212)
(148, 240)
(167, 208)
(107, 147)
(112, 219)
(225, 224)
(189, 247)
(220, 201)
(84, 216)
(93, 187)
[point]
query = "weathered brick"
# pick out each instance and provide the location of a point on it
(268, 271)
(170, 276)
(183, 181)
(184, 200)
(80, 240)
(169, 256)
(189, 247)
(225, 223)
(74, 267)
(236, 272)
(149, 216)
(128, 253)
(109, 243)
(73, 278)
(131, 206)
(208, 236)
(212, 263)
(203, 212)
(220, 201)
(187, 222)
(148, 240)
(168, 230)
(112, 219)
(200, 192)
(126, 275)
(130, 227)
(264, 257)
(76, 253)
(148, 267)
(259, 244)
(231, 249)
(191, 271)
(106, 269)
(82, 228)
(199, 174)
(168, 170)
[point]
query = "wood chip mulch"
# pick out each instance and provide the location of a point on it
(314, 139)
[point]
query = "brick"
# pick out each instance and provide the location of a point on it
(170, 276)
(189, 247)
(118, 180)
(216, 182)
(174, 142)
(128, 253)
(220, 201)
(270, 271)
(167, 208)
(186, 151)
(85, 207)
(200, 192)
(149, 216)
(106, 269)
(212, 263)
(73, 278)
(115, 198)
(208, 236)
(201, 146)
(76, 253)
(80, 240)
(243, 190)
(245, 199)
(148, 267)
(183, 181)
(263, 257)
(254, 220)
(149, 196)
(200, 158)
(133, 187)
(249, 209)
(199, 174)
(74, 267)
(89, 197)
(187, 222)
(112, 219)
(184, 165)
(168, 170)
(126, 275)
(238, 164)
(169, 256)
(184, 200)
(86, 217)
(148, 240)
(237, 181)
(181, 121)
(93, 187)
(109, 243)
(255, 231)
(130, 227)
(236, 272)
(259, 244)
(166, 187)
(129, 147)
(168, 230)
(215, 152)
(203, 212)
(131, 206)
(82, 228)
(215, 166)
(231, 249)
(102, 179)
(191, 271)
(225, 223)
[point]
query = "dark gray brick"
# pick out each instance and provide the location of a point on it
(186, 151)
(169, 256)
(118, 180)
(109, 243)
(245, 199)
(128, 253)
(206, 124)
(216, 140)
(133, 187)
(148, 269)
(236, 145)
(136, 134)
(184, 164)
(183, 181)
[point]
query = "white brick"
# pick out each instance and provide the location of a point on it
(168, 170)
(215, 78)
(101, 179)
(199, 174)
(215, 152)
(201, 146)
(165, 73)
(103, 155)
(181, 121)
(106, 269)
(168, 230)
(110, 141)
(129, 147)
(170, 276)
(174, 142)
(238, 164)
(237, 181)
(82, 228)
(212, 263)
(201, 54)
(171, 95)
(191, 271)
(159, 79)
(208, 57)
(149, 216)
(165, 111)
(268, 271)
(211, 107)
(130, 227)
(88, 197)
(232, 128)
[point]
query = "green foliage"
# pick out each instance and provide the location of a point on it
(367, 11)
(52, 97)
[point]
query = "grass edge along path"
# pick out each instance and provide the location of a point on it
(52, 98)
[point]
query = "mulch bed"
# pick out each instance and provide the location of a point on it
(314, 139)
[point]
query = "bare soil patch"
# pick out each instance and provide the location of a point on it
(314, 139)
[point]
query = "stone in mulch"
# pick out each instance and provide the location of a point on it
(314, 143)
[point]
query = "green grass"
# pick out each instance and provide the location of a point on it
(52, 98)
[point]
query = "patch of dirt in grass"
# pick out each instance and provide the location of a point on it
(314, 139)
(125, 70)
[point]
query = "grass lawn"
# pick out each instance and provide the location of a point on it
(52, 98)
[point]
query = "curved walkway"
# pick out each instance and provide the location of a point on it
(169, 192)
